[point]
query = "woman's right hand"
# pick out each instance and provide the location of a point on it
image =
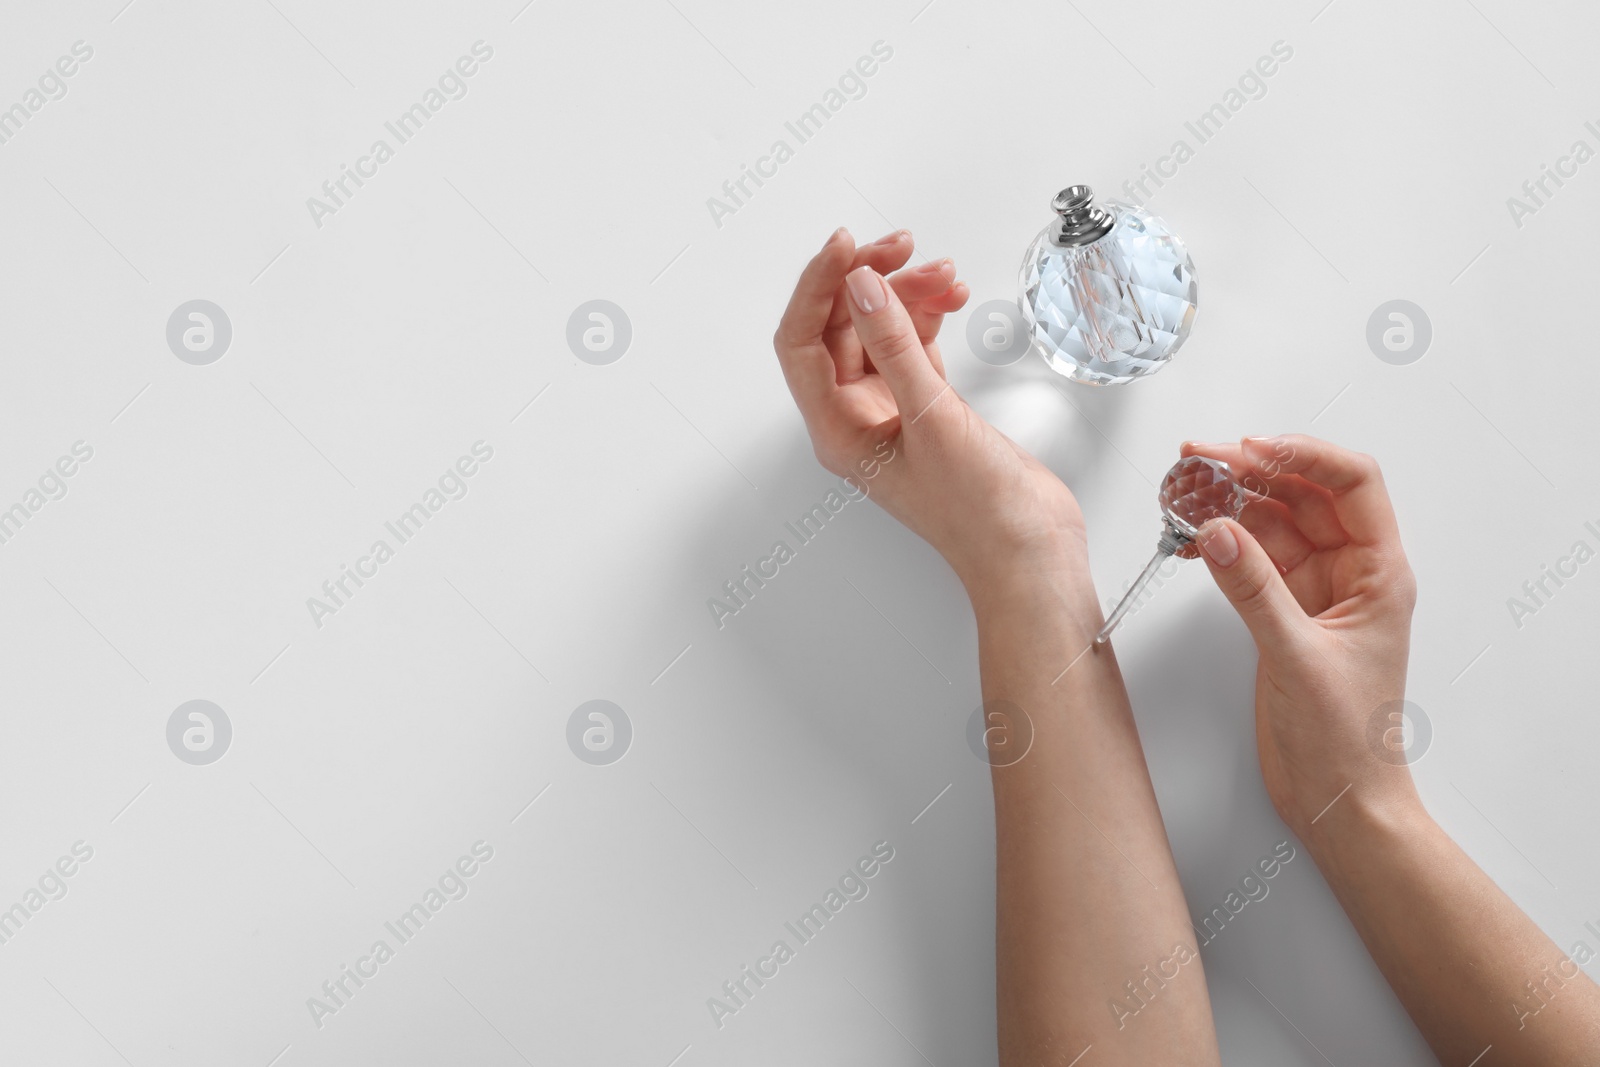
(1316, 571)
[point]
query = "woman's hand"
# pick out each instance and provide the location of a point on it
(1318, 575)
(859, 353)
(1074, 914)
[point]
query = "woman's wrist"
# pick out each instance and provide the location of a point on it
(1056, 582)
(1375, 817)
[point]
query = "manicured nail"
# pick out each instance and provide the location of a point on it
(1218, 543)
(834, 236)
(866, 289)
(942, 266)
(891, 238)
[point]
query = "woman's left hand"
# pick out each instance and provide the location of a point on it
(859, 352)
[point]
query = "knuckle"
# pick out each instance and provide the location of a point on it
(897, 347)
(1403, 586)
(826, 457)
(1390, 577)
(1253, 590)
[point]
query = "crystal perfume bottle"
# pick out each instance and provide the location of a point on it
(1108, 292)
(1195, 491)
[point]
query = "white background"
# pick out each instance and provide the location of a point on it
(369, 353)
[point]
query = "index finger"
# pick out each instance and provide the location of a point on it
(1360, 499)
(807, 365)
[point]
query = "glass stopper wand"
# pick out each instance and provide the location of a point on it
(1195, 491)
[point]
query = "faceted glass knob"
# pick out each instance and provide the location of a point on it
(1108, 292)
(1195, 491)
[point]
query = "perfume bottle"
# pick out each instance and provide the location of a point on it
(1108, 292)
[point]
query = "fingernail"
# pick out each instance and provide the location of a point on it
(866, 289)
(942, 266)
(1218, 543)
(891, 238)
(1259, 442)
(834, 236)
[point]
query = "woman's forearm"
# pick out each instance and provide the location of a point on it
(1482, 982)
(1094, 944)
(1093, 940)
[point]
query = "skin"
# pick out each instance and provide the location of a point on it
(1317, 573)
(1088, 895)
(1095, 957)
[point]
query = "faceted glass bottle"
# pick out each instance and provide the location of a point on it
(1108, 293)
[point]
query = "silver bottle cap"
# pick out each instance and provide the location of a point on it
(1081, 221)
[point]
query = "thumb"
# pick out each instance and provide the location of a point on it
(890, 338)
(1251, 582)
